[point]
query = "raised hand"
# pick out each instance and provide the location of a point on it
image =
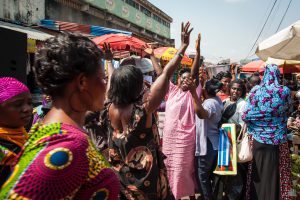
(149, 50)
(185, 34)
(198, 41)
(108, 54)
(190, 84)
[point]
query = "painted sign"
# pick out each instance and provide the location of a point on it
(131, 14)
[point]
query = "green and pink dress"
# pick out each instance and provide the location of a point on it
(59, 161)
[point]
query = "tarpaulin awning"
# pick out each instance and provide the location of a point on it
(31, 33)
(82, 28)
(258, 66)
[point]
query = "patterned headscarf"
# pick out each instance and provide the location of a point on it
(267, 109)
(10, 87)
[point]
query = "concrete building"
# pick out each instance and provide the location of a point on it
(140, 17)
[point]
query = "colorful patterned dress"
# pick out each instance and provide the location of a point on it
(266, 115)
(11, 143)
(136, 156)
(60, 162)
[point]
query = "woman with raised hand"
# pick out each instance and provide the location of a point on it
(133, 142)
(59, 160)
(209, 114)
(179, 131)
(15, 114)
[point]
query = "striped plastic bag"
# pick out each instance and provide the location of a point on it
(227, 157)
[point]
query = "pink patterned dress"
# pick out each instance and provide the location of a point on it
(179, 141)
(59, 161)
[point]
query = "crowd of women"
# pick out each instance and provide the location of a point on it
(96, 134)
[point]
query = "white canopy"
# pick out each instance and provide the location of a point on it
(283, 45)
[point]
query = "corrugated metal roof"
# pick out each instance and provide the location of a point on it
(31, 33)
(73, 27)
(98, 31)
(82, 28)
(50, 24)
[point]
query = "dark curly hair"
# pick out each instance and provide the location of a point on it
(126, 85)
(184, 70)
(241, 83)
(62, 58)
(213, 86)
(222, 75)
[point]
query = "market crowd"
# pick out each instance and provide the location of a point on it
(96, 134)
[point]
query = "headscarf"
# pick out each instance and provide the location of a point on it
(10, 87)
(144, 64)
(14, 138)
(267, 109)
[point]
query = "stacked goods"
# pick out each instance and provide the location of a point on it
(295, 159)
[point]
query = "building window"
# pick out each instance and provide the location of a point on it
(145, 11)
(156, 18)
(161, 21)
(132, 3)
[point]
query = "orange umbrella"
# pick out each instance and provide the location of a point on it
(167, 53)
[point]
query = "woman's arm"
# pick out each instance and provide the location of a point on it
(156, 66)
(108, 56)
(160, 87)
(199, 109)
(196, 63)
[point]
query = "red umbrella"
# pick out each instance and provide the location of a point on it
(119, 42)
(253, 66)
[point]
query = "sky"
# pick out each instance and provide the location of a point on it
(229, 28)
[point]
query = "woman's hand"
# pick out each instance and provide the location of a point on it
(185, 34)
(149, 50)
(190, 84)
(108, 54)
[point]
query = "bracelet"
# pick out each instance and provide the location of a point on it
(179, 54)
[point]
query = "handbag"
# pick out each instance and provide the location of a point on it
(244, 147)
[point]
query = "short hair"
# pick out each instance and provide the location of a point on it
(62, 58)
(255, 78)
(241, 83)
(126, 85)
(184, 70)
(213, 86)
(222, 75)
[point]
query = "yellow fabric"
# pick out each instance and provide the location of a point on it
(17, 136)
(170, 52)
